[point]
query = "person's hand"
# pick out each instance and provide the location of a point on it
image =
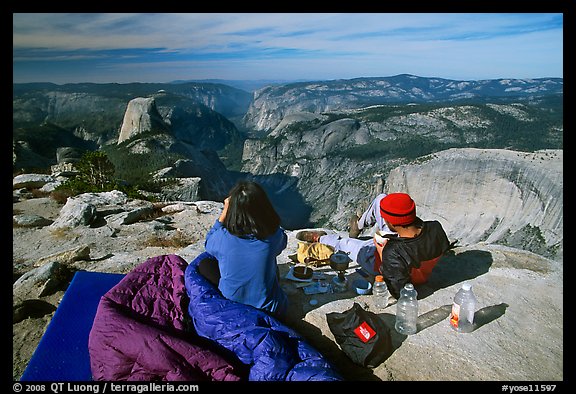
(380, 246)
(224, 210)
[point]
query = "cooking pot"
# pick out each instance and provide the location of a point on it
(302, 272)
(339, 261)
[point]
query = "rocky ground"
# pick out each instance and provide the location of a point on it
(519, 333)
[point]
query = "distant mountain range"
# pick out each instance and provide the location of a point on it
(271, 104)
(349, 133)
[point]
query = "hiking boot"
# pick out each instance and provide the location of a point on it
(310, 236)
(453, 244)
(354, 230)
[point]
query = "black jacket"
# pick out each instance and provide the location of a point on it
(400, 255)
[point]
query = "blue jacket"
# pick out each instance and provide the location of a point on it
(248, 267)
(271, 350)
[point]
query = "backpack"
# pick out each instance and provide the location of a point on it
(362, 335)
(314, 254)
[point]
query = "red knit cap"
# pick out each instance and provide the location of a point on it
(398, 209)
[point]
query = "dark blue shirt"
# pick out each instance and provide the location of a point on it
(248, 268)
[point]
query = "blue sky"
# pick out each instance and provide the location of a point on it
(122, 48)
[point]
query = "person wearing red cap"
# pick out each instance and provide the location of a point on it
(410, 251)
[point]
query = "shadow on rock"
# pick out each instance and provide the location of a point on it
(441, 314)
(397, 338)
(302, 303)
(455, 268)
(489, 314)
(434, 316)
(34, 308)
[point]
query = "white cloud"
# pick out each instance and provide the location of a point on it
(349, 44)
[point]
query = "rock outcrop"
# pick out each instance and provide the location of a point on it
(141, 116)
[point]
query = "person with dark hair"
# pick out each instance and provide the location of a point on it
(410, 249)
(245, 241)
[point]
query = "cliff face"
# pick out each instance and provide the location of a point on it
(144, 132)
(491, 196)
(331, 184)
(141, 116)
(94, 113)
(271, 104)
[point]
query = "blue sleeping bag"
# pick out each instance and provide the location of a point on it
(271, 350)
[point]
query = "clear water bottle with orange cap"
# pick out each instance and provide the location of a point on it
(380, 292)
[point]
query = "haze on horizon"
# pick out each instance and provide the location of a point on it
(140, 47)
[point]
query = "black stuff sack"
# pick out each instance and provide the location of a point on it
(362, 335)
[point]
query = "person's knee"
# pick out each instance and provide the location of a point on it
(209, 269)
(366, 259)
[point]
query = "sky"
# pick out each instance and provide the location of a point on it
(162, 47)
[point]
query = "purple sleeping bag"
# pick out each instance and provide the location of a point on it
(139, 331)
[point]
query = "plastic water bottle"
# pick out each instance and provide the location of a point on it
(463, 309)
(407, 310)
(380, 292)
